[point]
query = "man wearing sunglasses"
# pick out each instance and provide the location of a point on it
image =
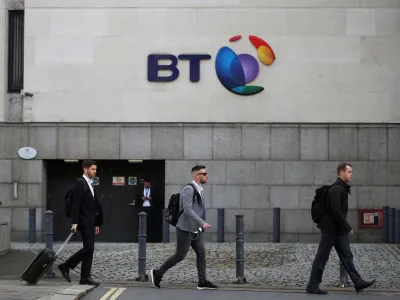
(189, 230)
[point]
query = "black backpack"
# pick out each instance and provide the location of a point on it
(319, 207)
(68, 200)
(173, 207)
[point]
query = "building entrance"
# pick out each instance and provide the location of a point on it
(116, 185)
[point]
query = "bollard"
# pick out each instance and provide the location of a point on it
(397, 227)
(386, 224)
(32, 225)
(343, 277)
(277, 225)
(142, 247)
(391, 224)
(240, 250)
(49, 217)
(221, 225)
(165, 226)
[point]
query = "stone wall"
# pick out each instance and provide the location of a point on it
(333, 58)
(253, 168)
(5, 241)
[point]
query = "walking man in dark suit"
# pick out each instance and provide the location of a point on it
(145, 201)
(87, 216)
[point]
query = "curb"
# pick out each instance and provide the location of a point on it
(74, 292)
(255, 288)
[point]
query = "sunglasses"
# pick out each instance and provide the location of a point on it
(205, 174)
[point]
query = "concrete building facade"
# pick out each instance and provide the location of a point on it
(331, 95)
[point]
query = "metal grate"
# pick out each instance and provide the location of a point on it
(15, 51)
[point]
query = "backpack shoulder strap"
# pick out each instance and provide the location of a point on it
(194, 190)
(326, 196)
(81, 179)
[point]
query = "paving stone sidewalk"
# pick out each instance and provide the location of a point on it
(266, 264)
(46, 289)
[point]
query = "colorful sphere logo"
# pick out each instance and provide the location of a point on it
(235, 71)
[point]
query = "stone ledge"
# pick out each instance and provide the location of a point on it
(212, 4)
(72, 293)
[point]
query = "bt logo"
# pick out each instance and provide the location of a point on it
(233, 71)
(194, 65)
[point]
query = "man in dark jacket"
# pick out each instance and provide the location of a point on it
(147, 201)
(87, 216)
(335, 233)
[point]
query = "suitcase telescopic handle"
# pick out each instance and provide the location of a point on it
(63, 245)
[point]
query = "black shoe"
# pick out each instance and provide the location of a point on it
(155, 278)
(64, 272)
(363, 285)
(316, 291)
(206, 285)
(89, 281)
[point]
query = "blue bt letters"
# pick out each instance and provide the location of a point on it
(194, 66)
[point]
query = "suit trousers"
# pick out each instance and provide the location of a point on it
(84, 255)
(343, 250)
(185, 240)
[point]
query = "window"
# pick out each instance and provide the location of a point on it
(15, 51)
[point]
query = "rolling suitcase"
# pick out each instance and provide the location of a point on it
(41, 263)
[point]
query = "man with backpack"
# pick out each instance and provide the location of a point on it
(85, 211)
(329, 211)
(188, 216)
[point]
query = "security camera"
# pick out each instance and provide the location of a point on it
(28, 94)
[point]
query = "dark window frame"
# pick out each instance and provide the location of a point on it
(16, 23)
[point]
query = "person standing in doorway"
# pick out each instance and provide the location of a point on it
(87, 216)
(145, 201)
(335, 233)
(189, 230)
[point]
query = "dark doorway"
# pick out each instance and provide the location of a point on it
(120, 215)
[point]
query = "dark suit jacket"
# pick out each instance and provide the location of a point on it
(153, 195)
(86, 209)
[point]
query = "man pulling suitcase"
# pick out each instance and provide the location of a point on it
(86, 216)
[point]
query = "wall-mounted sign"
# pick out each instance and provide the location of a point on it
(141, 180)
(96, 181)
(234, 71)
(132, 180)
(118, 180)
(27, 152)
(370, 218)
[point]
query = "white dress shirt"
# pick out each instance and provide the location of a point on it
(146, 193)
(89, 182)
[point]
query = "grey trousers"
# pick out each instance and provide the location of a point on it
(184, 240)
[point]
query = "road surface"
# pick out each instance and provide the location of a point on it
(109, 292)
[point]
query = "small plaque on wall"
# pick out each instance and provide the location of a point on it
(118, 180)
(96, 181)
(132, 180)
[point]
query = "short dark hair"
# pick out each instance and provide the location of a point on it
(197, 168)
(342, 167)
(147, 180)
(87, 163)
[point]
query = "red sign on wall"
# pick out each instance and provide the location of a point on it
(370, 218)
